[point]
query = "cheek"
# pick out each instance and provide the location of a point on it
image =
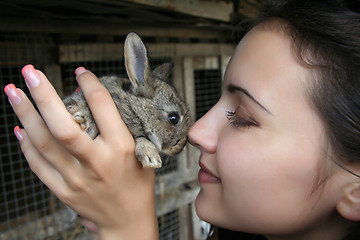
(266, 180)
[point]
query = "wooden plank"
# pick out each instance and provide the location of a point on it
(224, 61)
(114, 51)
(249, 8)
(193, 154)
(88, 26)
(173, 199)
(196, 222)
(24, 50)
(53, 73)
(175, 179)
(203, 49)
(218, 10)
(184, 224)
(189, 86)
(178, 76)
(210, 62)
(211, 9)
(90, 52)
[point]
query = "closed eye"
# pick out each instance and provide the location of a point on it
(237, 121)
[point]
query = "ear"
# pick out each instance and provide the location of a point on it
(136, 60)
(163, 71)
(349, 205)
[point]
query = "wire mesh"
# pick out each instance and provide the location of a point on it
(207, 89)
(28, 210)
(169, 226)
(99, 68)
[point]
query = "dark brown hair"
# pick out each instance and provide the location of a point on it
(326, 36)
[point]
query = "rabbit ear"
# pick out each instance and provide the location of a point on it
(136, 60)
(163, 71)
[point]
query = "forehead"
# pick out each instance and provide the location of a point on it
(265, 64)
(268, 48)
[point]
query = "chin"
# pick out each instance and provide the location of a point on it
(206, 209)
(209, 210)
(202, 208)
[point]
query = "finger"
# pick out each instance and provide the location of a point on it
(90, 225)
(103, 108)
(38, 131)
(41, 167)
(55, 115)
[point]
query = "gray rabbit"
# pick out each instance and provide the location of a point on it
(154, 113)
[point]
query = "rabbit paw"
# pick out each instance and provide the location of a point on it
(79, 116)
(147, 153)
(82, 115)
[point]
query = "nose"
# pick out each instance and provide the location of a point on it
(204, 132)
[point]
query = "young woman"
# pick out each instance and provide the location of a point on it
(280, 151)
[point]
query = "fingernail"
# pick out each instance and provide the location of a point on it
(13, 94)
(18, 133)
(31, 76)
(77, 90)
(80, 70)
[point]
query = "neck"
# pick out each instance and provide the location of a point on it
(333, 229)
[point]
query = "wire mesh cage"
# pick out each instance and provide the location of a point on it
(28, 210)
(169, 226)
(207, 89)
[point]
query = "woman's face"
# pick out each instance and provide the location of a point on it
(262, 145)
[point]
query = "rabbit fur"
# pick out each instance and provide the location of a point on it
(153, 111)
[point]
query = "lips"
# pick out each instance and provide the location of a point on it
(206, 175)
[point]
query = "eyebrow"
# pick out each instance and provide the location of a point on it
(233, 88)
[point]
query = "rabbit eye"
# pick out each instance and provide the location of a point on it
(174, 118)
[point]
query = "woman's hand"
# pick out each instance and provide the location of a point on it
(100, 179)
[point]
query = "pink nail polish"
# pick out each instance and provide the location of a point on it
(13, 93)
(18, 133)
(31, 76)
(77, 90)
(80, 70)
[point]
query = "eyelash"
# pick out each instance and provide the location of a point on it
(238, 121)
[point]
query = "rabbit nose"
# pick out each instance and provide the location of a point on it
(176, 148)
(181, 141)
